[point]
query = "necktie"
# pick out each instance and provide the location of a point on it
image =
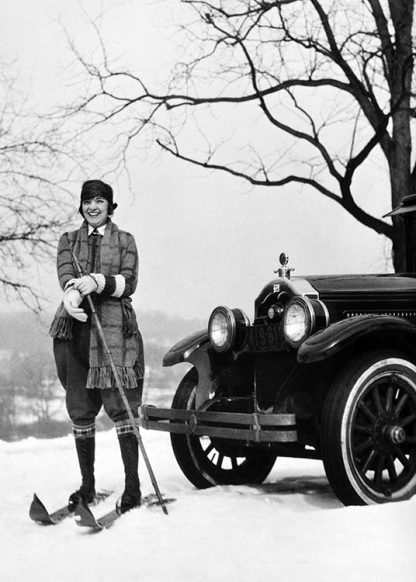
(94, 240)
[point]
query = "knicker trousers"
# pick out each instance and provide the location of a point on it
(83, 405)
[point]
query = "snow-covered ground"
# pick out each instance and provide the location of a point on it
(289, 529)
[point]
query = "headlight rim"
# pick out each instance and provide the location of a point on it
(237, 323)
(309, 311)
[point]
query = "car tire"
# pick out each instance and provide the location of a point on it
(203, 461)
(368, 433)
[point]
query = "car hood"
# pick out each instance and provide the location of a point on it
(344, 293)
(328, 285)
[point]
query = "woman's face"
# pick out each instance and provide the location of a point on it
(95, 211)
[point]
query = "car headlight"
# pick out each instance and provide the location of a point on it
(303, 316)
(227, 328)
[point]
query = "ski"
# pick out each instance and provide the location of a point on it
(87, 519)
(41, 515)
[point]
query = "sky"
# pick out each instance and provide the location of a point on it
(204, 238)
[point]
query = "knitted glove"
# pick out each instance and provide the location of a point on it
(72, 299)
(86, 284)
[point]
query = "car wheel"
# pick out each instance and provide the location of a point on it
(204, 461)
(369, 430)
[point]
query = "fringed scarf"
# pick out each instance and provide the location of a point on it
(116, 316)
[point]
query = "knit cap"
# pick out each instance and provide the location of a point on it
(92, 188)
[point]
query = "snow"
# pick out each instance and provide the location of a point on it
(291, 528)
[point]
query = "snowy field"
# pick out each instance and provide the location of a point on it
(291, 528)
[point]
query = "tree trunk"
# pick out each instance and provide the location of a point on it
(400, 77)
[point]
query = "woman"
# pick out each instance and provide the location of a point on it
(109, 262)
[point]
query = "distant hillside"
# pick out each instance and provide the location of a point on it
(23, 330)
(31, 397)
(161, 326)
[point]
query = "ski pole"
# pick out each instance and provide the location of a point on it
(122, 392)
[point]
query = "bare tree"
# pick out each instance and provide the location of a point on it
(318, 91)
(34, 194)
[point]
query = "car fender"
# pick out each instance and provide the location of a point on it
(183, 349)
(337, 336)
(195, 350)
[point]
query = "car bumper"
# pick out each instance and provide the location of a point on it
(251, 427)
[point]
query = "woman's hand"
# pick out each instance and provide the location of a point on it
(85, 285)
(72, 300)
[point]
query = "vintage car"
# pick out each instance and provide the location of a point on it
(327, 370)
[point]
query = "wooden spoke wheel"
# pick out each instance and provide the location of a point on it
(369, 430)
(207, 462)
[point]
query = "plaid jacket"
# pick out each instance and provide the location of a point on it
(116, 255)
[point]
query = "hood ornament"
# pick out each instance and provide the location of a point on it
(284, 270)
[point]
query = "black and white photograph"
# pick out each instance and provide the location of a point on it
(208, 290)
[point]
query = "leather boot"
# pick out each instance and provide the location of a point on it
(129, 448)
(86, 457)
